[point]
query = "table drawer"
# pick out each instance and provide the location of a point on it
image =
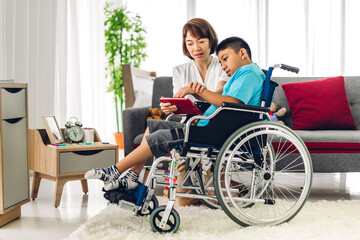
(13, 103)
(81, 161)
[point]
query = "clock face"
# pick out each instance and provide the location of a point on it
(75, 133)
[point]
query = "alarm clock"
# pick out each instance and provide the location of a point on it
(73, 132)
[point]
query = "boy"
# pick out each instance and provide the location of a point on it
(244, 86)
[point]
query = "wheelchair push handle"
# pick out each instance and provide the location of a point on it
(289, 68)
(285, 67)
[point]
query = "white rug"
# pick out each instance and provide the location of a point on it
(317, 220)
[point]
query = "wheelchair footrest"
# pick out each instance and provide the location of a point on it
(135, 196)
(269, 201)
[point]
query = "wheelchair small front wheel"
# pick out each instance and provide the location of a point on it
(172, 224)
(153, 204)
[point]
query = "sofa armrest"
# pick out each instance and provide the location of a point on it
(134, 123)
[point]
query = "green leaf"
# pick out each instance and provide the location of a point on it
(124, 44)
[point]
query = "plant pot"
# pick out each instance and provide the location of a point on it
(119, 138)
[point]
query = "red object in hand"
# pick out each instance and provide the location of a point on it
(184, 105)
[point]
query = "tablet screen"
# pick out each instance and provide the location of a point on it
(184, 105)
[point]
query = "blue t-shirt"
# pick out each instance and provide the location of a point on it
(246, 85)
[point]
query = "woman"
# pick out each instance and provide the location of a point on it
(199, 42)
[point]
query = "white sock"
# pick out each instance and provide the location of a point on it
(105, 174)
(128, 182)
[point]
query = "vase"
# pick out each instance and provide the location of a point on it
(119, 138)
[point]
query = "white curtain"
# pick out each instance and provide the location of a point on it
(80, 76)
(57, 47)
(320, 37)
(163, 20)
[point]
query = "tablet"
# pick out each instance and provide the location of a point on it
(184, 105)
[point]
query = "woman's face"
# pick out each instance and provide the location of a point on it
(199, 48)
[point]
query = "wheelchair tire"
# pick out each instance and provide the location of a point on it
(153, 204)
(199, 178)
(272, 163)
(172, 224)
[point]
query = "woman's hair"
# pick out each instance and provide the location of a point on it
(200, 28)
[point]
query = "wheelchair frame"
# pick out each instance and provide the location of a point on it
(246, 170)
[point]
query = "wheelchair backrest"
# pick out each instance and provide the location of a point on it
(268, 89)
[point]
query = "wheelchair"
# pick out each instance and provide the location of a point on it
(258, 172)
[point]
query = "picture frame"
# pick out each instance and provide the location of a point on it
(52, 129)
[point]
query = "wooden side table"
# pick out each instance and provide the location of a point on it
(65, 163)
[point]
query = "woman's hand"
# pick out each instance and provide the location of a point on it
(167, 108)
(197, 87)
(184, 91)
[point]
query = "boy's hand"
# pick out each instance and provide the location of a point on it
(197, 87)
(184, 91)
(167, 108)
(194, 123)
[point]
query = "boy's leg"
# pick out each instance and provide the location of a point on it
(136, 158)
(136, 161)
(105, 174)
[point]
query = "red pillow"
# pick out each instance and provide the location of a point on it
(320, 104)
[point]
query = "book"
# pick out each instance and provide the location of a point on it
(7, 80)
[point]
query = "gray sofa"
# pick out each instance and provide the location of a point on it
(339, 150)
(325, 157)
(134, 119)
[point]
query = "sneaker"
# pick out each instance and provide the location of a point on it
(105, 174)
(128, 182)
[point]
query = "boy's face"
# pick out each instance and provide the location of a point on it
(231, 61)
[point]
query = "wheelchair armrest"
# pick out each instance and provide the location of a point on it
(245, 107)
(225, 106)
(175, 117)
(202, 105)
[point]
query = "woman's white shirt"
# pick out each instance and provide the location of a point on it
(188, 72)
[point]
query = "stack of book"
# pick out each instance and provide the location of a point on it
(6, 80)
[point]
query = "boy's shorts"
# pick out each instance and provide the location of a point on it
(164, 136)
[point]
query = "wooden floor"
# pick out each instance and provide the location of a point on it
(40, 220)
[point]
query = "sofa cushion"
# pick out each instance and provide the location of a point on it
(326, 141)
(319, 104)
(138, 139)
(162, 87)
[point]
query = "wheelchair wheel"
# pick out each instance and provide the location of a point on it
(154, 203)
(263, 174)
(206, 180)
(172, 224)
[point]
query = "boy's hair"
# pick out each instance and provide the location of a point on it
(235, 43)
(200, 28)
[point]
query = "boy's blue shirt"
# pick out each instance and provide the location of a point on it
(246, 85)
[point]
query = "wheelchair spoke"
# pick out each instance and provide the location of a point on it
(268, 174)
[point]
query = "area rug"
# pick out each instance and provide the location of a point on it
(317, 220)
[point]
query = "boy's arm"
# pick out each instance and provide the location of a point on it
(220, 86)
(212, 97)
(216, 98)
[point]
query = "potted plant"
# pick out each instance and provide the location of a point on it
(124, 44)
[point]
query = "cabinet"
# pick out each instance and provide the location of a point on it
(65, 163)
(14, 173)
